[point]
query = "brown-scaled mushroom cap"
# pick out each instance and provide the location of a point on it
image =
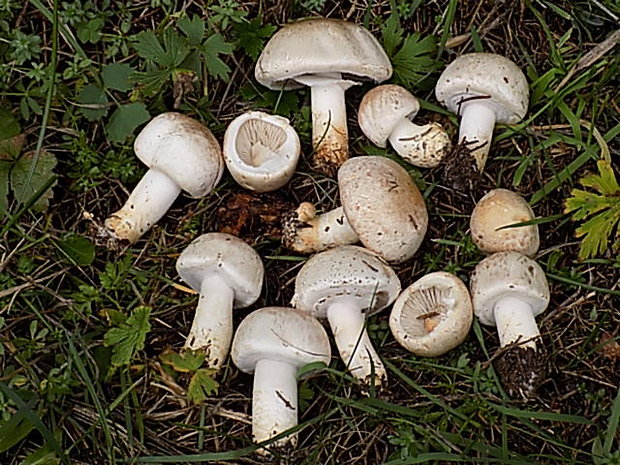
(499, 208)
(383, 206)
(320, 46)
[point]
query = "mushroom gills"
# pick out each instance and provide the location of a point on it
(425, 309)
(259, 141)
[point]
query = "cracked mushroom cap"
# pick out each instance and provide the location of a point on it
(507, 274)
(228, 256)
(281, 334)
(345, 274)
(499, 208)
(493, 78)
(384, 206)
(433, 315)
(321, 46)
(261, 151)
(183, 149)
(382, 108)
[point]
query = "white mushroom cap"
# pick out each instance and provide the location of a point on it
(230, 258)
(348, 274)
(507, 274)
(261, 151)
(382, 108)
(320, 46)
(499, 208)
(384, 206)
(433, 315)
(282, 334)
(493, 78)
(183, 149)
(386, 112)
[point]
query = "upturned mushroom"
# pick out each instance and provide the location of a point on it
(274, 343)
(381, 207)
(508, 291)
(433, 315)
(182, 154)
(261, 151)
(496, 210)
(346, 285)
(228, 273)
(329, 56)
(386, 113)
(483, 89)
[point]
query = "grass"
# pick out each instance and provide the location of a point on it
(75, 86)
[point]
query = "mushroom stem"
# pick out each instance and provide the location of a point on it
(515, 323)
(212, 328)
(274, 402)
(422, 146)
(348, 325)
(477, 123)
(329, 121)
(308, 232)
(149, 201)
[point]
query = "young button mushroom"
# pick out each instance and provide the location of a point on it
(381, 207)
(387, 111)
(327, 55)
(508, 290)
(182, 154)
(346, 285)
(499, 208)
(261, 151)
(433, 315)
(227, 272)
(483, 88)
(274, 343)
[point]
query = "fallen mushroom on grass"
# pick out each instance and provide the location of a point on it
(261, 151)
(228, 273)
(433, 315)
(381, 207)
(508, 291)
(273, 343)
(182, 154)
(329, 56)
(345, 285)
(483, 89)
(386, 113)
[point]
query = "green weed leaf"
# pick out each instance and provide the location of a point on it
(170, 53)
(90, 31)
(202, 385)
(5, 167)
(392, 34)
(43, 456)
(414, 60)
(116, 76)
(125, 119)
(193, 28)
(24, 190)
(9, 126)
(184, 362)
(602, 211)
(212, 48)
(251, 36)
(129, 337)
(94, 102)
(77, 249)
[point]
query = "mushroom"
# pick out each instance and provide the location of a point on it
(228, 273)
(433, 315)
(329, 56)
(508, 290)
(261, 151)
(346, 285)
(386, 113)
(497, 209)
(483, 88)
(381, 207)
(182, 154)
(274, 343)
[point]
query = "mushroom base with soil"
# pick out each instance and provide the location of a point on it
(521, 369)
